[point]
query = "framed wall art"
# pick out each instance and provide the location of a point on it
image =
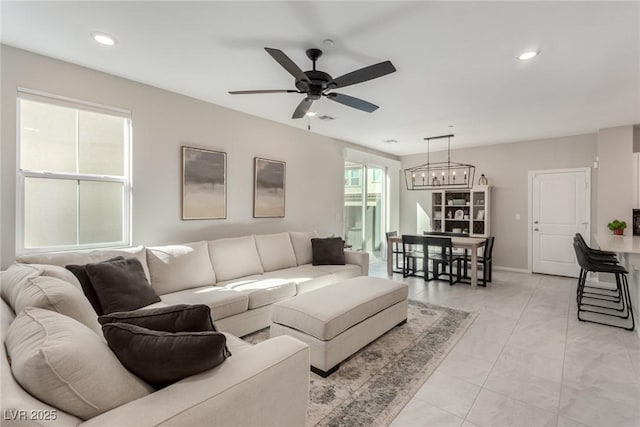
(269, 180)
(204, 184)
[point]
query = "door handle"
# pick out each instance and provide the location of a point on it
(585, 223)
(535, 229)
(535, 222)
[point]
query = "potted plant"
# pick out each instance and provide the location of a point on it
(617, 227)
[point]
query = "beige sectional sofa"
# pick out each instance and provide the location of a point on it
(239, 278)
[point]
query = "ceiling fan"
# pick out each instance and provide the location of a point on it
(316, 84)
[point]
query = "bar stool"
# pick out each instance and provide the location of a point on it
(595, 264)
(603, 293)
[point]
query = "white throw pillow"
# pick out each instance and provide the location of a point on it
(57, 295)
(276, 251)
(179, 267)
(301, 242)
(235, 257)
(64, 364)
(14, 278)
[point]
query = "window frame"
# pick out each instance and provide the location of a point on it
(22, 174)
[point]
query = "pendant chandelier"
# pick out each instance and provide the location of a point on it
(440, 175)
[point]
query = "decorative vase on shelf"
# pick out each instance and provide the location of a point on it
(483, 180)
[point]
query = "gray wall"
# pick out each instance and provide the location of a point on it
(162, 122)
(615, 186)
(506, 166)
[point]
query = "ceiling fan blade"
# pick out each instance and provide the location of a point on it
(287, 64)
(353, 102)
(302, 109)
(249, 92)
(364, 74)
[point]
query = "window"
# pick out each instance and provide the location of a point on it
(73, 173)
(352, 177)
(376, 175)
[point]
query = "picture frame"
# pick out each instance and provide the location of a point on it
(269, 188)
(204, 184)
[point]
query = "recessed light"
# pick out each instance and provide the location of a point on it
(104, 39)
(311, 113)
(530, 54)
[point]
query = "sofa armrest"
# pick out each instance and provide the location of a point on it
(266, 384)
(360, 258)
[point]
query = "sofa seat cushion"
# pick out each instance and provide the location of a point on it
(223, 302)
(57, 295)
(62, 259)
(329, 311)
(178, 267)
(301, 242)
(306, 277)
(234, 258)
(262, 290)
(340, 272)
(276, 251)
(63, 363)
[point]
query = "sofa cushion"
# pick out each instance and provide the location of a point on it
(80, 273)
(262, 290)
(63, 363)
(121, 285)
(235, 257)
(223, 302)
(174, 318)
(306, 277)
(177, 267)
(162, 358)
(301, 242)
(328, 251)
(14, 278)
(57, 295)
(340, 273)
(276, 251)
(62, 259)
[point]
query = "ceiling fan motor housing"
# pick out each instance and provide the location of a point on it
(319, 83)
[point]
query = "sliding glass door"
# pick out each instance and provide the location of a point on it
(364, 208)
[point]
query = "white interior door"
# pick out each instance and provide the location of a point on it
(560, 209)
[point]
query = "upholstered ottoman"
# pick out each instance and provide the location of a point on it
(339, 319)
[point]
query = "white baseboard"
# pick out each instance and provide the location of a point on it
(511, 269)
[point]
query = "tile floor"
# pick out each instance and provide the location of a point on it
(526, 360)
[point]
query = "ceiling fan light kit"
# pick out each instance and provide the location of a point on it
(316, 84)
(440, 175)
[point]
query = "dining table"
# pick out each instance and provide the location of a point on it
(470, 243)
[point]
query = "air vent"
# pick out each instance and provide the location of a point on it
(325, 118)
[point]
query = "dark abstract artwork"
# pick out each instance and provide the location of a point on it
(204, 184)
(268, 188)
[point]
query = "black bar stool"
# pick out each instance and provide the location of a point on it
(598, 264)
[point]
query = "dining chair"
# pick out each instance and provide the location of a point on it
(396, 251)
(414, 249)
(443, 257)
(485, 261)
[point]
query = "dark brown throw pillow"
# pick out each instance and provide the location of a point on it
(80, 271)
(176, 318)
(327, 251)
(121, 285)
(162, 358)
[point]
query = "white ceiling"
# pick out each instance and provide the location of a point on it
(456, 61)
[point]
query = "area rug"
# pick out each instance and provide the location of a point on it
(373, 386)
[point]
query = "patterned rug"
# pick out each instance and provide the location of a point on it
(373, 386)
